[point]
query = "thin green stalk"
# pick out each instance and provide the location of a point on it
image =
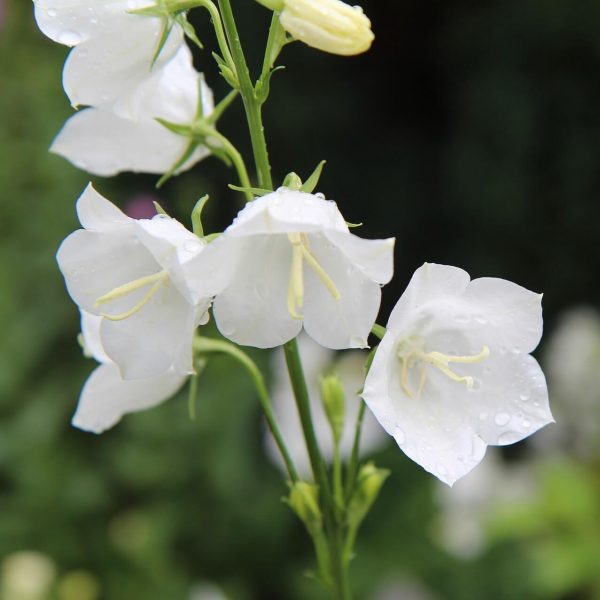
(203, 344)
(251, 104)
(237, 160)
(353, 463)
(294, 366)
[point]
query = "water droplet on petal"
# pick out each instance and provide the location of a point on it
(51, 13)
(400, 436)
(357, 342)
(524, 396)
(481, 320)
(69, 37)
(192, 245)
(441, 469)
(227, 328)
(281, 189)
(320, 195)
(526, 423)
(501, 419)
(508, 437)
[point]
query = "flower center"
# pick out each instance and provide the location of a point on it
(301, 253)
(155, 281)
(411, 352)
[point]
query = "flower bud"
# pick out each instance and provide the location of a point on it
(304, 501)
(369, 482)
(328, 25)
(334, 403)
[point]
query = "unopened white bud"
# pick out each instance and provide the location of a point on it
(328, 25)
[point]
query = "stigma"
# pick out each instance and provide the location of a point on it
(411, 354)
(154, 281)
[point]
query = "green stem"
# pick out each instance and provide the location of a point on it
(353, 463)
(208, 345)
(251, 104)
(237, 160)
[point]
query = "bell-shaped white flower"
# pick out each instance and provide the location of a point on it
(129, 272)
(289, 260)
(453, 372)
(114, 50)
(106, 396)
(100, 141)
(316, 360)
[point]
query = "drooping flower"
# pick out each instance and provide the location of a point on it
(114, 50)
(106, 397)
(316, 361)
(104, 143)
(129, 273)
(289, 260)
(453, 373)
(329, 25)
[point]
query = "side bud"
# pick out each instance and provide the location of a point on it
(328, 25)
(304, 501)
(334, 403)
(369, 482)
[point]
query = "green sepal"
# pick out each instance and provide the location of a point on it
(263, 85)
(159, 209)
(164, 36)
(353, 225)
(178, 164)
(292, 182)
(221, 107)
(197, 216)
(184, 130)
(255, 191)
(227, 72)
(188, 29)
(311, 183)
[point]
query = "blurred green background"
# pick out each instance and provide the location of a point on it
(471, 132)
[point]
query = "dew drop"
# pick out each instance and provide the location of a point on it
(501, 419)
(481, 320)
(320, 195)
(508, 437)
(192, 245)
(227, 328)
(400, 436)
(69, 37)
(524, 396)
(516, 350)
(357, 342)
(281, 189)
(51, 13)
(526, 423)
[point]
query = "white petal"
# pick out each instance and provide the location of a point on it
(286, 211)
(170, 242)
(429, 282)
(252, 311)
(374, 258)
(110, 68)
(96, 213)
(509, 400)
(343, 323)
(102, 143)
(105, 397)
(95, 263)
(90, 331)
(155, 338)
(212, 270)
(71, 22)
(511, 312)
